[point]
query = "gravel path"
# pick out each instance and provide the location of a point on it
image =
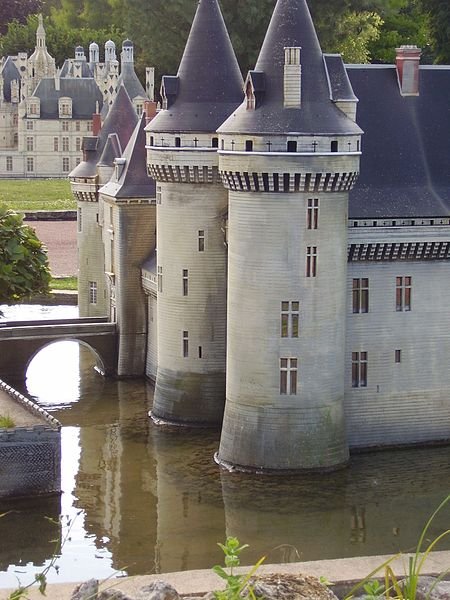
(60, 237)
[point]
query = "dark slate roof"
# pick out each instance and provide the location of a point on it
(111, 151)
(134, 181)
(405, 164)
(291, 26)
(210, 82)
(84, 93)
(67, 69)
(121, 120)
(340, 86)
(9, 73)
(131, 82)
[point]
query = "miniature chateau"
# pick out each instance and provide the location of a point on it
(260, 277)
(46, 111)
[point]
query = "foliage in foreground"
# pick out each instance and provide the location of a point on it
(24, 270)
(36, 194)
(237, 586)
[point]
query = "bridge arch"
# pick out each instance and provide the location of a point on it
(99, 366)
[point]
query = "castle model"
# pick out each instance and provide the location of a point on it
(256, 276)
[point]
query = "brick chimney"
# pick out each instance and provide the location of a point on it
(96, 120)
(407, 61)
(149, 110)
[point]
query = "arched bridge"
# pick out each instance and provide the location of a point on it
(20, 341)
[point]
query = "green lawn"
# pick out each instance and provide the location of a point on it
(36, 194)
(64, 283)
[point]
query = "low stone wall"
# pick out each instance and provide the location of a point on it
(51, 215)
(30, 457)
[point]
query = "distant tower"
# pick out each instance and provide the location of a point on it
(110, 51)
(288, 156)
(111, 73)
(79, 54)
(99, 150)
(129, 78)
(94, 54)
(41, 63)
(191, 254)
(127, 55)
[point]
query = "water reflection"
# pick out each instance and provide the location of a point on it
(142, 500)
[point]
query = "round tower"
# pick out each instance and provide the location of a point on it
(191, 253)
(288, 156)
(127, 55)
(110, 51)
(94, 53)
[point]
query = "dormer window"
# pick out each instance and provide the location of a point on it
(250, 95)
(119, 165)
(334, 146)
(65, 108)
(33, 107)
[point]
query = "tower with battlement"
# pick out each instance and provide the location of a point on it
(288, 158)
(191, 254)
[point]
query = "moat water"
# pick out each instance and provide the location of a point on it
(137, 499)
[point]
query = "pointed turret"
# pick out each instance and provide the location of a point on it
(208, 86)
(182, 157)
(41, 63)
(289, 89)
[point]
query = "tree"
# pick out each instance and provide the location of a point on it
(24, 270)
(438, 12)
(17, 10)
(357, 30)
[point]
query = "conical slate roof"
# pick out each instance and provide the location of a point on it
(131, 82)
(291, 26)
(134, 181)
(209, 81)
(121, 120)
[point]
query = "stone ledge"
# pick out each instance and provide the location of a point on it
(51, 215)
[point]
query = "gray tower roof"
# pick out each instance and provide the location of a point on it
(134, 181)
(131, 82)
(208, 86)
(9, 73)
(291, 26)
(121, 120)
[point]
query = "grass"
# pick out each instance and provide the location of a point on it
(64, 283)
(36, 194)
(6, 422)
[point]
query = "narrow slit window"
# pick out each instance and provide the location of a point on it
(334, 146)
(200, 352)
(185, 282)
(313, 213)
(185, 344)
(160, 280)
(398, 356)
(201, 240)
(249, 145)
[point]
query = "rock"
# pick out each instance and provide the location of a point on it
(158, 590)
(86, 591)
(440, 591)
(113, 595)
(290, 587)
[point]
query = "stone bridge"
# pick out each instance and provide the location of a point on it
(20, 341)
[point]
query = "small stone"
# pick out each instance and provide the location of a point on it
(283, 586)
(440, 591)
(113, 595)
(158, 590)
(86, 591)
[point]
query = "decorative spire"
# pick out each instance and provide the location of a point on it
(40, 33)
(209, 79)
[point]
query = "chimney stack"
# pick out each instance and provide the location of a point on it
(96, 121)
(292, 78)
(150, 110)
(407, 61)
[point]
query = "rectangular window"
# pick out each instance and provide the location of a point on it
(92, 292)
(158, 194)
(200, 352)
(78, 144)
(290, 317)
(89, 125)
(55, 144)
(403, 294)
(313, 213)
(65, 126)
(398, 356)
(360, 295)
(288, 376)
(201, 240)
(80, 222)
(65, 144)
(30, 165)
(9, 163)
(311, 261)
(77, 126)
(160, 279)
(30, 144)
(359, 369)
(185, 282)
(65, 165)
(30, 125)
(185, 344)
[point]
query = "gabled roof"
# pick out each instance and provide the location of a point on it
(131, 82)
(67, 69)
(134, 181)
(84, 93)
(405, 163)
(111, 151)
(339, 83)
(9, 73)
(291, 26)
(209, 79)
(121, 120)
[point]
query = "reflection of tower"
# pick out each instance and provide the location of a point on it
(288, 156)
(182, 157)
(190, 513)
